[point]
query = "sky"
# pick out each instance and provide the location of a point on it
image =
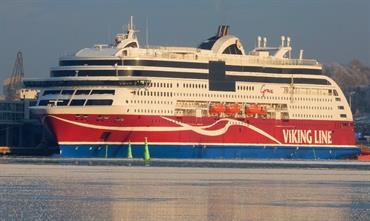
(331, 31)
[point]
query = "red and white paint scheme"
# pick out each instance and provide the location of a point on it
(211, 101)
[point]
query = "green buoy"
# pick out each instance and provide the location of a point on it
(146, 150)
(129, 151)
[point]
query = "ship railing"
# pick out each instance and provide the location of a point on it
(201, 55)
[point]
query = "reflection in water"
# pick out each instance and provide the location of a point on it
(45, 192)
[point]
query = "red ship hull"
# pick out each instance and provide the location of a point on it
(73, 130)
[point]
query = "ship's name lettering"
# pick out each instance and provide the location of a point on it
(265, 90)
(295, 136)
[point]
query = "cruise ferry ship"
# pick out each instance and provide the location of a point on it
(212, 101)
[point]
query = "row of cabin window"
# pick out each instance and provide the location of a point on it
(298, 90)
(311, 91)
(313, 116)
(246, 88)
(318, 116)
(184, 85)
(170, 94)
(149, 102)
(160, 85)
(313, 99)
(152, 111)
(155, 93)
(189, 85)
(312, 107)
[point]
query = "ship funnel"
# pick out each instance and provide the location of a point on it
(282, 40)
(288, 41)
(223, 30)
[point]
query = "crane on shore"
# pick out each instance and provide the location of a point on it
(14, 84)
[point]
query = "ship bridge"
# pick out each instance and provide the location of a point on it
(122, 42)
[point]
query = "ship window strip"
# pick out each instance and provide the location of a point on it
(43, 102)
(77, 102)
(62, 102)
(99, 102)
(86, 82)
(102, 92)
(193, 65)
(67, 92)
(96, 73)
(84, 92)
(64, 83)
(88, 62)
(83, 73)
(51, 92)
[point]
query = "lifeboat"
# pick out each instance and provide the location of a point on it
(217, 108)
(232, 109)
(255, 109)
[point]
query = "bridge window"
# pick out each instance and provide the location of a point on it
(77, 102)
(67, 92)
(99, 102)
(43, 102)
(51, 92)
(63, 102)
(79, 92)
(102, 92)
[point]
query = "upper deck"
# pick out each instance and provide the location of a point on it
(223, 46)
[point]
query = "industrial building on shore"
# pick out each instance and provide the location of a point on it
(20, 132)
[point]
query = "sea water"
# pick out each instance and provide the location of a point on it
(75, 192)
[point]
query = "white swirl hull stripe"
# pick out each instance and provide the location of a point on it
(183, 127)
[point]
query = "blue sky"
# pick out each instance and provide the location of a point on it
(328, 30)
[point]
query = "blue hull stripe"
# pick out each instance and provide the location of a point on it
(210, 152)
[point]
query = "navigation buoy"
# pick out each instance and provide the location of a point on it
(146, 150)
(129, 151)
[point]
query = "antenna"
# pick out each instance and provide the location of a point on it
(147, 33)
(288, 42)
(282, 41)
(301, 54)
(259, 41)
(131, 23)
(109, 35)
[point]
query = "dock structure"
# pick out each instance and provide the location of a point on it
(17, 127)
(20, 132)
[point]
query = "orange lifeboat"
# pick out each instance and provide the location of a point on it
(255, 109)
(232, 109)
(217, 108)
